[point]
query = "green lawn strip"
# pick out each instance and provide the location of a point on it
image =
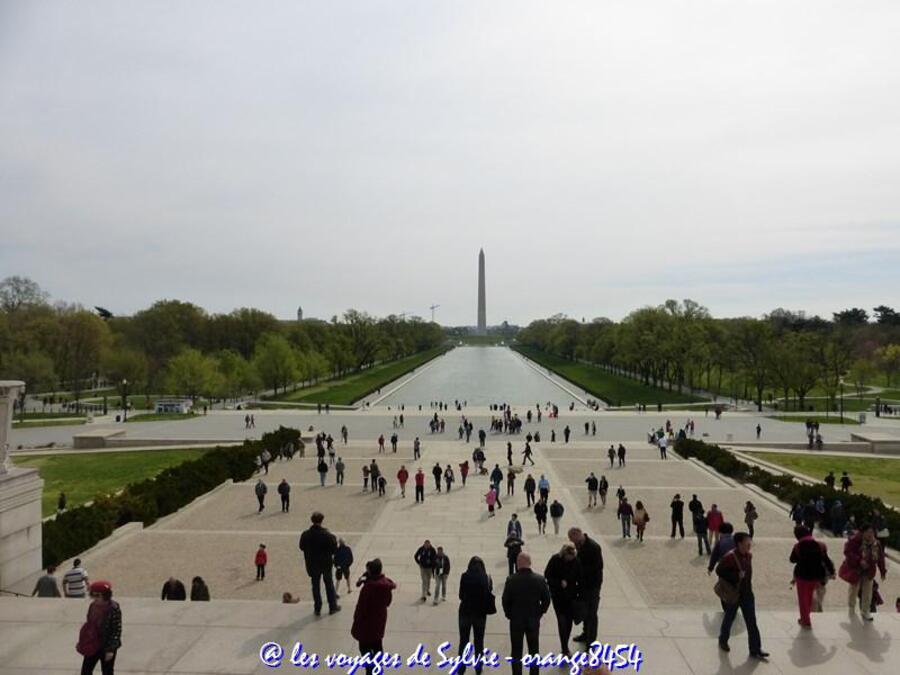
(159, 417)
(37, 424)
(821, 419)
(871, 476)
(614, 389)
(851, 403)
(888, 394)
(84, 476)
(46, 416)
(347, 390)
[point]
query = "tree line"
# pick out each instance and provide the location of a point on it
(176, 347)
(784, 354)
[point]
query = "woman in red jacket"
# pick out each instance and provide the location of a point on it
(370, 617)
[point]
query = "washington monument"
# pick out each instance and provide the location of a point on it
(482, 315)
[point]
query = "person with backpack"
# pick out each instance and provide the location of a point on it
(735, 590)
(476, 602)
(100, 637)
(863, 558)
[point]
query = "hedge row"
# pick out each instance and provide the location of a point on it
(75, 531)
(789, 490)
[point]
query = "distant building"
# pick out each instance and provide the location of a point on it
(299, 314)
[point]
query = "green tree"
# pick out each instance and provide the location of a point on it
(190, 373)
(33, 367)
(888, 360)
(275, 362)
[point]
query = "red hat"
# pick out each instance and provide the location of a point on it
(101, 587)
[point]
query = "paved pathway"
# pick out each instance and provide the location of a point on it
(656, 593)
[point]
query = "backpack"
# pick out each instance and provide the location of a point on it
(89, 639)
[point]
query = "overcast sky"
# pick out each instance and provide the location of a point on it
(606, 154)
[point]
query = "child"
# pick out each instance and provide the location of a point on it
(261, 559)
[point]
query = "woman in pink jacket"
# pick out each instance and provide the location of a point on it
(490, 499)
(714, 520)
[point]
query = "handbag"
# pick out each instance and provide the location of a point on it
(729, 593)
(491, 604)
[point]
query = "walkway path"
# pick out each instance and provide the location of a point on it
(656, 593)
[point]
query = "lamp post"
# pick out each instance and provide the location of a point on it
(842, 401)
(124, 400)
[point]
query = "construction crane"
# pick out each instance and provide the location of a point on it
(432, 308)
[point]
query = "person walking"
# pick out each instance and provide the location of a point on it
(621, 453)
(173, 589)
(513, 546)
(566, 433)
(476, 602)
(812, 569)
(540, 514)
(592, 486)
(261, 559)
(625, 513)
(199, 590)
(75, 581)
(380, 444)
(437, 472)
(402, 477)
(544, 487)
(846, 483)
(448, 477)
(611, 453)
(382, 485)
(46, 586)
(603, 489)
(514, 527)
(529, 487)
(339, 471)
(490, 498)
(750, 516)
(464, 471)
(677, 508)
(420, 485)
(526, 598)
(663, 447)
(723, 546)
(322, 468)
(318, 546)
(736, 570)
(260, 489)
(417, 449)
(100, 637)
(343, 560)
(556, 513)
(700, 529)
(863, 557)
(510, 482)
(424, 558)
(496, 477)
(284, 491)
(441, 571)
(590, 556)
(714, 520)
(370, 615)
(641, 518)
(526, 455)
(563, 575)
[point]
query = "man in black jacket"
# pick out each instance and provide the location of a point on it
(677, 507)
(526, 597)
(318, 546)
(424, 557)
(591, 558)
(563, 575)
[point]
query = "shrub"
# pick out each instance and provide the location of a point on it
(77, 530)
(789, 490)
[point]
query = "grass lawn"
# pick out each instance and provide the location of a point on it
(821, 419)
(29, 416)
(83, 476)
(159, 417)
(851, 404)
(347, 390)
(889, 394)
(871, 476)
(36, 424)
(612, 388)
